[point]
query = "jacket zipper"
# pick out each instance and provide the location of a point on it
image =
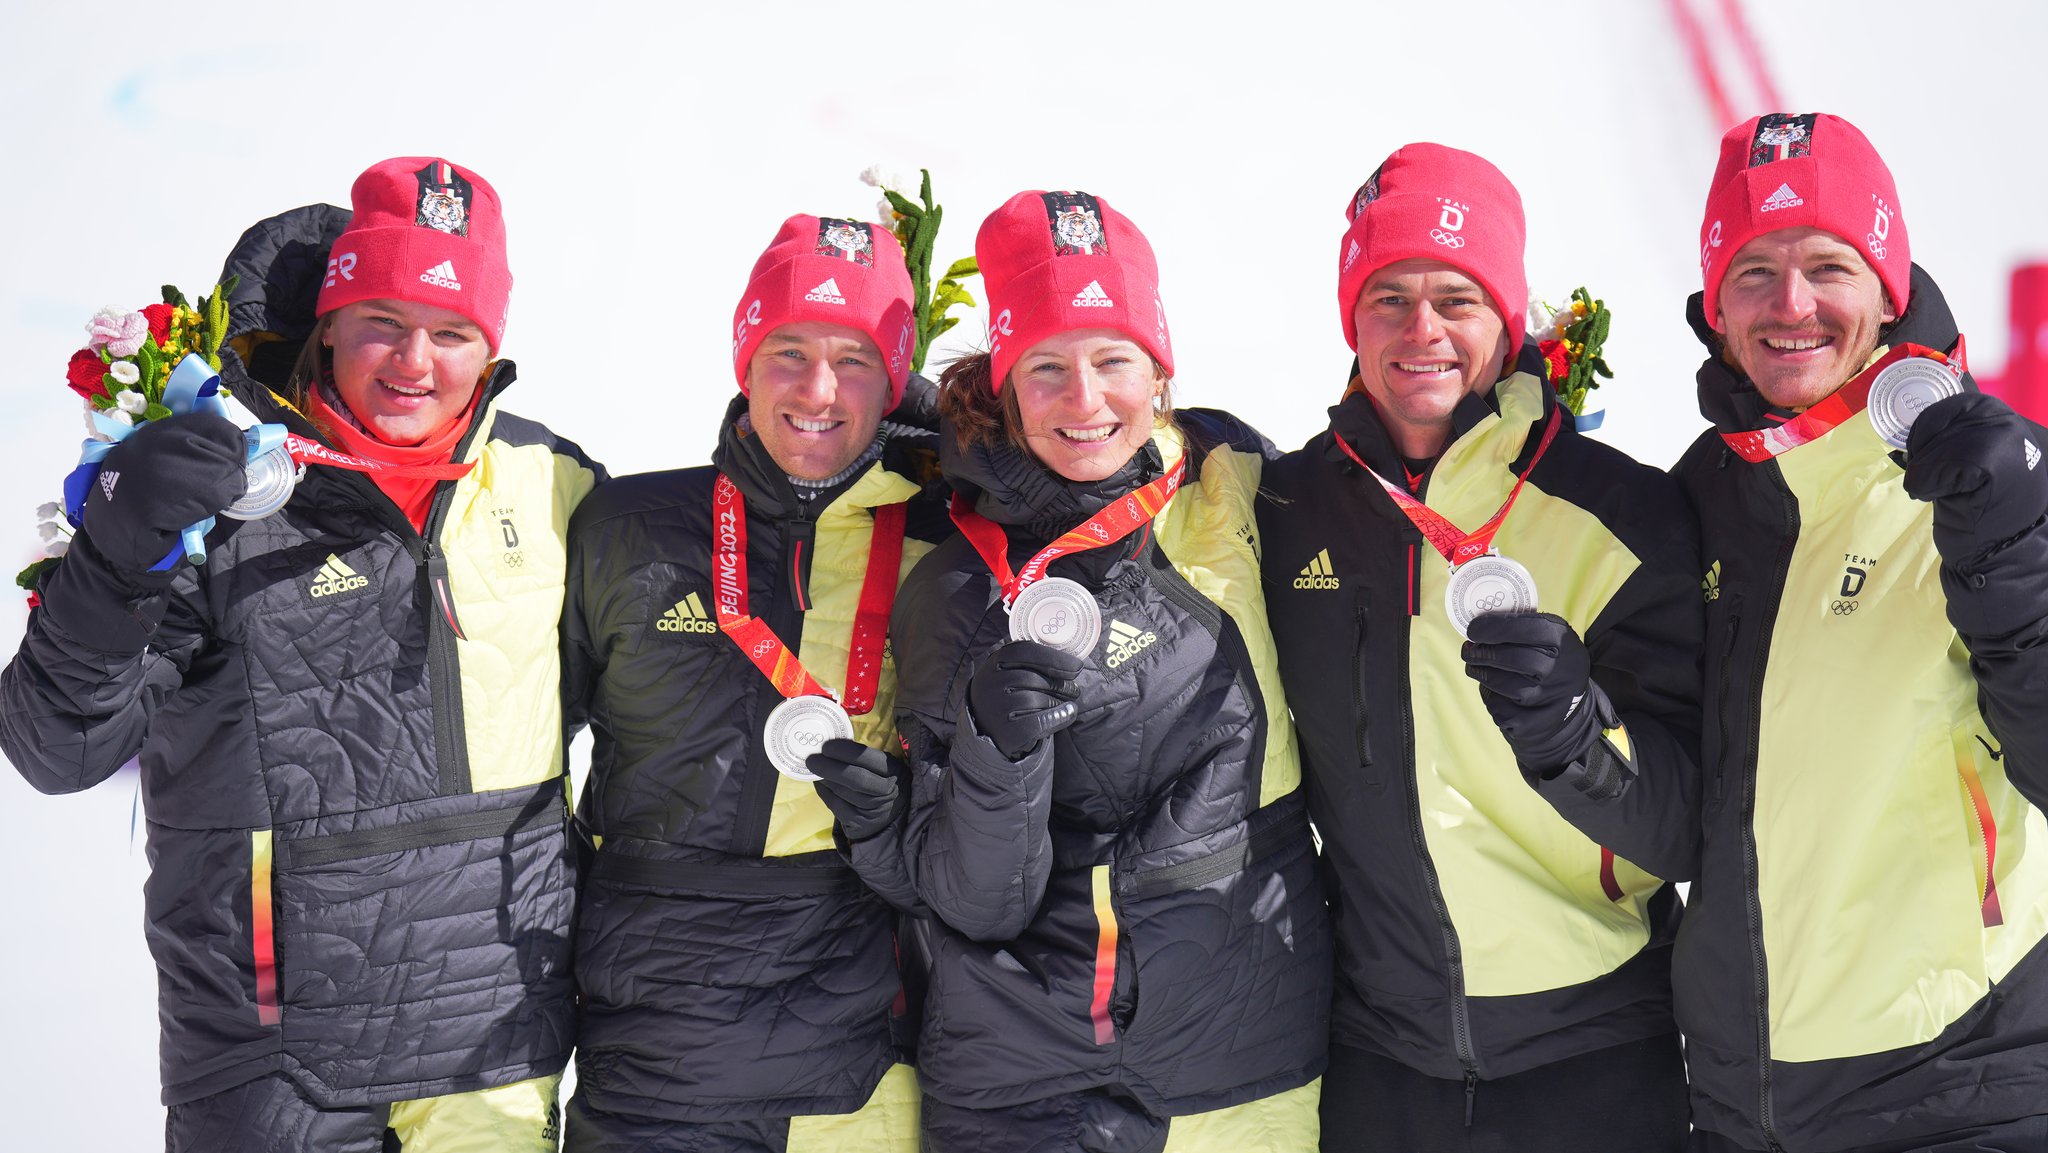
(1363, 730)
(1727, 664)
(447, 830)
(444, 663)
(1780, 573)
(1461, 1026)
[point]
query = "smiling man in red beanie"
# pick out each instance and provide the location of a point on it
(739, 985)
(1503, 931)
(1862, 964)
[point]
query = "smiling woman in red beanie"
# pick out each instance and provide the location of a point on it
(348, 719)
(1126, 943)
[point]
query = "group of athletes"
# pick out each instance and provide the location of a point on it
(1021, 762)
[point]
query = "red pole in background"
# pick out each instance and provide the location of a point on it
(2024, 383)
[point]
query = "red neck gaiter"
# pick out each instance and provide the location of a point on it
(412, 494)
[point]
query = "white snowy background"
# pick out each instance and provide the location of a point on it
(645, 154)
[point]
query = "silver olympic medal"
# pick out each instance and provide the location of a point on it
(799, 727)
(1902, 390)
(1488, 584)
(272, 475)
(1058, 612)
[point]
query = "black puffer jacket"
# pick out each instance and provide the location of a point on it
(357, 819)
(730, 963)
(1134, 903)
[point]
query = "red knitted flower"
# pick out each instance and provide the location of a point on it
(86, 374)
(159, 318)
(1557, 362)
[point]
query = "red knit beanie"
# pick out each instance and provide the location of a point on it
(1053, 262)
(1428, 202)
(426, 232)
(1812, 171)
(838, 271)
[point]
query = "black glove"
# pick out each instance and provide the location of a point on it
(1980, 463)
(1022, 693)
(168, 474)
(862, 786)
(1537, 681)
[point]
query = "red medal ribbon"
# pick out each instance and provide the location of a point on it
(307, 451)
(1457, 545)
(1762, 444)
(1114, 522)
(759, 642)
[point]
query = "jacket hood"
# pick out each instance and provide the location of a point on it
(1732, 403)
(1010, 487)
(281, 262)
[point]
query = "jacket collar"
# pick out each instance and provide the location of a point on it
(1356, 420)
(769, 493)
(1010, 487)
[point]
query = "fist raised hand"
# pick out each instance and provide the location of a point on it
(1980, 463)
(1021, 693)
(1535, 677)
(168, 474)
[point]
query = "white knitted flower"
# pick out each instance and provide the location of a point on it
(872, 176)
(124, 373)
(49, 510)
(131, 403)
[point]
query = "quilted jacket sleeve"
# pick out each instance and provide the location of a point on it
(94, 664)
(1637, 793)
(976, 843)
(1998, 604)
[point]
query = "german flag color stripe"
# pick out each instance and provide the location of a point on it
(1105, 958)
(261, 927)
(1987, 828)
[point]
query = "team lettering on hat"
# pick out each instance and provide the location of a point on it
(1429, 202)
